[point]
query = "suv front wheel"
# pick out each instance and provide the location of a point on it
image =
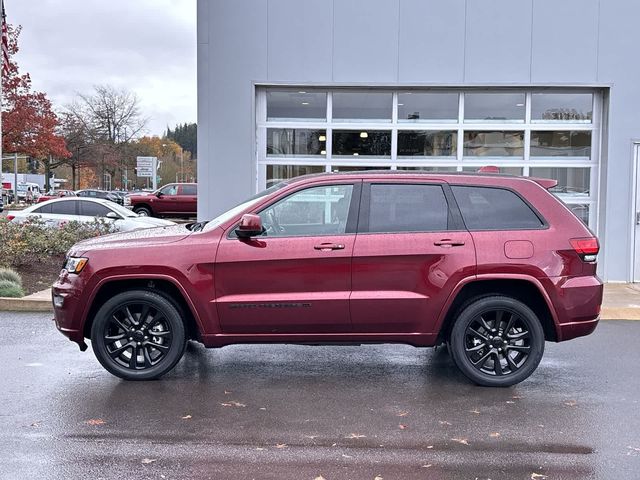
(497, 341)
(138, 335)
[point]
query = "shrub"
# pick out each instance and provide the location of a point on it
(32, 241)
(10, 289)
(10, 275)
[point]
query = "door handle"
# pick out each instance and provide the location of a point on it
(329, 246)
(446, 242)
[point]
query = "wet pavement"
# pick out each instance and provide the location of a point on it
(296, 412)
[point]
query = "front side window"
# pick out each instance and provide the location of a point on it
(488, 208)
(408, 208)
(169, 190)
(92, 209)
(311, 212)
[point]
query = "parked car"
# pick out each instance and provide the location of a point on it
(73, 209)
(28, 190)
(117, 196)
(51, 194)
(491, 265)
(172, 200)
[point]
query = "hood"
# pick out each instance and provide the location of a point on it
(151, 222)
(135, 239)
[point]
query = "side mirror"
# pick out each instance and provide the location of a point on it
(113, 216)
(250, 226)
(159, 194)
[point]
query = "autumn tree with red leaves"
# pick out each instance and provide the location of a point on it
(29, 125)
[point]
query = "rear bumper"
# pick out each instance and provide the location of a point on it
(577, 303)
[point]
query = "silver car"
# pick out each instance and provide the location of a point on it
(74, 209)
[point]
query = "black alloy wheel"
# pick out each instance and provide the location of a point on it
(497, 341)
(138, 335)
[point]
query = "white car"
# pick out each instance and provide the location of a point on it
(77, 209)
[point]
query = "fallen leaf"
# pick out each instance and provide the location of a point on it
(429, 446)
(186, 417)
(403, 427)
(476, 411)
(463, 441)
(444, 422)
(233, 403)
(259, 449)
(281, 445)
(147, 461)
(402, 414)
(571, 403)
(228, 392)
(427, 465)
(356, 435)
(319, 477)
(95, 421)
(346, 456)
(378, 477)
(535, 476)
(494, 434)
(510, 401)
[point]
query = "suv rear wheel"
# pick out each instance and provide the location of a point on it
(497, 341)
(138, 335)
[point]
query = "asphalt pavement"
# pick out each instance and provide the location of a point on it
(298, 412)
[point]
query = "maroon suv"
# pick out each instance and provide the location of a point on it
(491, 265)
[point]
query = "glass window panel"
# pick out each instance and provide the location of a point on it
(296, 105)
(310, 212)
(369, 143)
(571, 181)
(486, 208)
(407, 208)
(581, 211)
(493, 144)
(494, 169)
(562, 107)
(189, 190)
(561, 144)
(357, 106)
(494, 107)
(427, 107)
(416, 143)
(278, 173)
(429, 169)
(296, 142)
(64, 208)
(356, 168)
(91, 209)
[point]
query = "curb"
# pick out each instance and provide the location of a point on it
(45, 305)
(25, 305)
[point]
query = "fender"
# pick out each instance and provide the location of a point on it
(497, 276)
(114, 278)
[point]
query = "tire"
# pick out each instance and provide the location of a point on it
(140, 324)
(142, 211)
(497, 341)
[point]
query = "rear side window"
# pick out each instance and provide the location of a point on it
(64, 208)
(407, 208)
(43, 209)
(487, 208)
(189, 190)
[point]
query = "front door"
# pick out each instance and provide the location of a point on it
(167, 203)
(296, 277)
(410, 252)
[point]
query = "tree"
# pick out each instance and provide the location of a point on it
(185, 135)
(29, 125)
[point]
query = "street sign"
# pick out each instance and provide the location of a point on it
(145, 166)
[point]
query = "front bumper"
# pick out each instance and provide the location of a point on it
(67, 307)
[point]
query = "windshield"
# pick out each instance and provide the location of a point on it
(122, 211)
(229, 214)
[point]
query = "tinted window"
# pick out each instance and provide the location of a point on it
(189, 190)
(43, 209)
(64, 208)
(407, 208)
(310, 212)
(169, 190)
(90, 209)
(486, 208)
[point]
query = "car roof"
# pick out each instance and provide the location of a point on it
(101, 201)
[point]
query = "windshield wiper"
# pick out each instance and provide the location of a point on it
(197, 227)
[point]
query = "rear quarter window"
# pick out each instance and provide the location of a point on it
(490, 208)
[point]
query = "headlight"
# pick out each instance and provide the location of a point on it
(75, 264)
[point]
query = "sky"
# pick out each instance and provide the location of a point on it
(145, 46)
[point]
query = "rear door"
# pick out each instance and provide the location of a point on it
(410, 252)
(296, 277)
(188, 203)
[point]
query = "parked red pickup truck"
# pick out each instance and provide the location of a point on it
(172, 200)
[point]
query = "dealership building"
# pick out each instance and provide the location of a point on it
(542, 88)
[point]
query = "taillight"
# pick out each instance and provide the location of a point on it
(587, 248)
(10, 217)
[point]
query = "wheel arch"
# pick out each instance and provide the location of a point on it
(526, 289)
(143, 205)
(166, 286)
